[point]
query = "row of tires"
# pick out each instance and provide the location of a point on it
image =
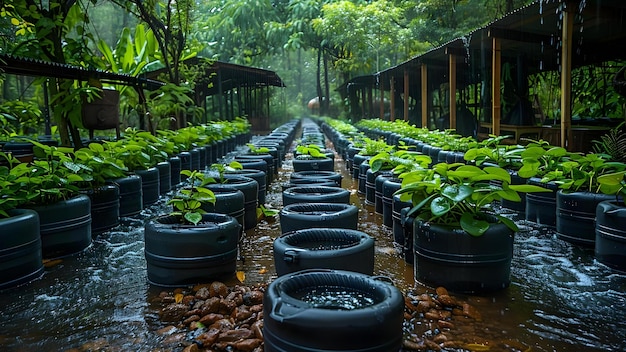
(325, 265)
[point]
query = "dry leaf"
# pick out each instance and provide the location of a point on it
(241, 276)
(263, 270)
(178, 297)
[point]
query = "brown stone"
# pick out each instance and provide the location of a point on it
(424, 306)
(445, 324)
(222, 325)
(226, 307)
(235, 335)
(175, 338)
(471, 312)
(256, 308)
(247, 345)
(218, 289)
(441, 291)
(414, 346)
(253, 297)
(203, 293)
(170, 329)
(209, 337)
(173, 312)
(188, 300)
(211, 318)
(191, 319)
(191, 348)
(446, 301)
(211, 305)
(257, 328)
(242, 314)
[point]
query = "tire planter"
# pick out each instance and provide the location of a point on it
(363, 313)
(165, 177)
(317, 175)
(520, 206)
(272, 170)
(105, 208)
(131, 195)
(399, 228)
(356, 164)
(150, 185)
(576, 216)
(306, 182)
(390, 186)
(185, 163)
(228, 200)
(317, 194)
(306, 164)
(20, 256)
(370, 185)
(378, 189)
(363, 168)
(300, 216)
(250, 189)
(257, 175)
(541, 206)
(65, 226)
(258, 165)
(611, 235)
(184, 255)
(196, 163)
(452, 258)
(328, 248)
(175, 168)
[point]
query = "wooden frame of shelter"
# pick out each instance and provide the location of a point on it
(38, 68)
(235, 87)
(577, 32)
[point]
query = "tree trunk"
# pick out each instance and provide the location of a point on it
(326, 101)
(319, 77)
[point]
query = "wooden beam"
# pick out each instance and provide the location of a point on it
(566, 78)
(406, 94)
(424, 75)
(452, 89)
(518, 36)
(496, 72)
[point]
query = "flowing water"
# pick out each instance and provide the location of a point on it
(560, 298)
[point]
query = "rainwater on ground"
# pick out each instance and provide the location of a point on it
(560, 298)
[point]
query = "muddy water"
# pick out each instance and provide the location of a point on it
(560, 299)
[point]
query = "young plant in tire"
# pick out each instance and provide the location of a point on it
(310, 151)
(459, 195)
(187, 203)
(221, 169)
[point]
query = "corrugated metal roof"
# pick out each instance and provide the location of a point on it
(35, 67)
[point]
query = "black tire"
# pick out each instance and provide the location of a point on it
(322, 164)
(306, 182)
(318, 194)
(611, 235)
(294, 320)
(20, 256)
(184, 255)
(316, 175)
(150, 185)
(327, 248)
(304, 216)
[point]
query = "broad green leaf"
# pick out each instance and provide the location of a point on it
(457, 192)
(439, 206)
(473, 226)
(193, 217)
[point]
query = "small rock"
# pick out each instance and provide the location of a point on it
(168, 330)
(441, 291)
(471, 312)
(191, 348)
(447, 301)
(247, 345)
(253, 297)
(235, 335)
(173, 312)
(218, 289)
(211, 318)
(208, 338)
(203, 293)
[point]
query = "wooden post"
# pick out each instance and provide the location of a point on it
(566, 78)
(424, 95)
(452, 89)
(496, 72)
(392, 98)
(406, 94)
(382, 99)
